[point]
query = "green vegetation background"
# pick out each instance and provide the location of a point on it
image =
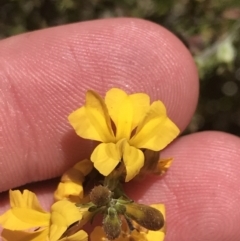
(209, 28)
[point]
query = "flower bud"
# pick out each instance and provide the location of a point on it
(112, 224)
(100, 195)
(148, 217)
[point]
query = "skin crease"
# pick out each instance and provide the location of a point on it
(44, 76)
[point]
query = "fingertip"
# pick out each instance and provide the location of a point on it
(132, 54)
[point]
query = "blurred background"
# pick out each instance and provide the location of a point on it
(209, 28)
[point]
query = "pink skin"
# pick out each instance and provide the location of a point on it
(44, 76)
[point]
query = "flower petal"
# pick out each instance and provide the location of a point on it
(105, 157)
(85, 166)
(125, 110)
(26, 199)
(32, 217)
(70, 186)
(69, 190)
(25, 213)
(133, 159)
(156, 130)
(155, 235)
(82, 125)
(10, 235)
(92, 120)
(9, 221)
(141, 104)
(63, 214)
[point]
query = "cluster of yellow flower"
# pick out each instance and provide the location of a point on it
(131, 132)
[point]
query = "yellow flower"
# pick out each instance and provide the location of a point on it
(136, 235)
(63, 215)
(70, 187)
(25, 212)
(27, 221)
(124, 124)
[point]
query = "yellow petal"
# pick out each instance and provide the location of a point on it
(105, 157)
(133, 159)
(69, 190)
(56, 231)
(26, 199)
(25, 212)
(156, 130)
(63, 214)
(73, 175)
(40, 235)
(85, 166)
(70, 186)
(141, 104)
(92, 120)
(9, 221)
(33, 217)
(79, 236)
(125, 110)
(155, 235)
(82, 125)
